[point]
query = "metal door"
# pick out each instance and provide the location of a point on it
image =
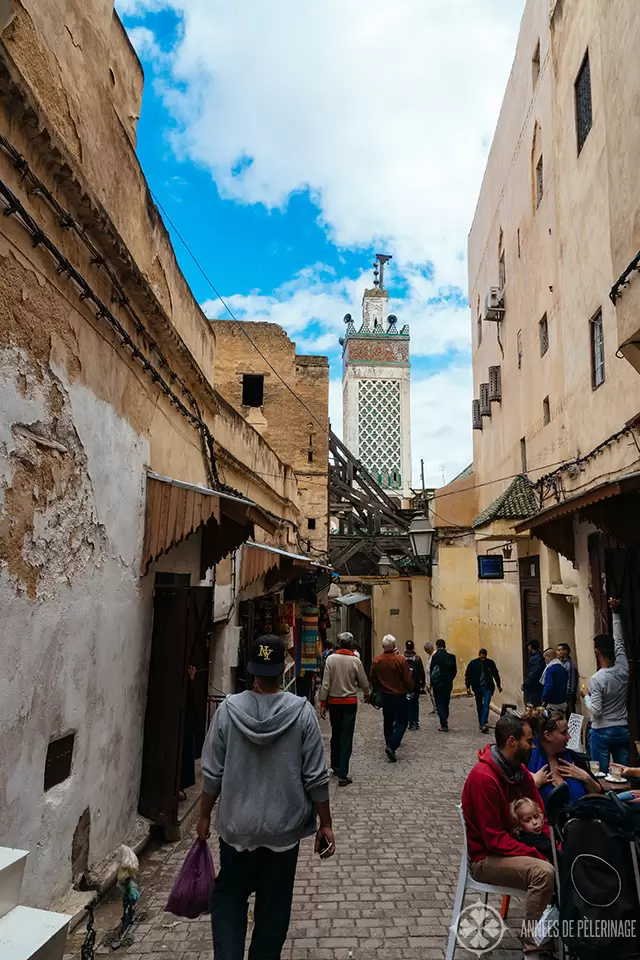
(182, 622)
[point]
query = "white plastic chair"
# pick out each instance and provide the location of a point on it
(466, 882)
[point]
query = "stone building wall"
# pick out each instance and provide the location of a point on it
(297, 432)
(82, 419)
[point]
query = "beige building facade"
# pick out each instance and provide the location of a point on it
(125, 474)
(556, 387)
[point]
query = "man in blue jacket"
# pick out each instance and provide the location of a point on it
(482, 678)
(555, 680)
(535, 668)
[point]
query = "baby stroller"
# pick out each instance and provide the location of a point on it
(598, 880)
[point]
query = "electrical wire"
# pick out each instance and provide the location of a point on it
(323, 426)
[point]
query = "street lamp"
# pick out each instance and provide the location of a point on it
(384, 565)
(421, 533)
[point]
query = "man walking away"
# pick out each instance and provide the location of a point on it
(428, 649)
(532, 686)
(443, 672)
(607, 698)
(263, 762)
(564, 656)
(482, 678)
(343, 674)
(554, 683)
(498, 779)
(419, 678)
(390, 674)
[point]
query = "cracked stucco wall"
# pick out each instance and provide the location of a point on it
(75, 617)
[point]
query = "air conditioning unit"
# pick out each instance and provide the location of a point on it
(494, 304)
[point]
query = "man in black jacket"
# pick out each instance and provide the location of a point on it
(442, 669)
(535, 668)
(482, 678)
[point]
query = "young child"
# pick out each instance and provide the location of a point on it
(528, 821)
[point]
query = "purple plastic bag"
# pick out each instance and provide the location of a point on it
(192, 887)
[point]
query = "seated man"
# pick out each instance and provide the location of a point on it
(498, 779)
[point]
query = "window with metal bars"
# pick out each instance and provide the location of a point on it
(546, 410)
(597, 350)
(543, 331)
(495, 383)
(57, 766)
(584, 106)
(485, 403)
(476, 415)
(539, 182)
(519, 348)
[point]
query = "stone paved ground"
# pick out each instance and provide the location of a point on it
(387, 893)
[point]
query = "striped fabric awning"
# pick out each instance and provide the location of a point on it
(176, 509)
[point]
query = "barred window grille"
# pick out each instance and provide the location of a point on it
(380, 430)
(539, 182)
(519, 348)
(584, 107)
(495, 383)
(543, 329)
(597, 350)
(476, 415)
(485, 403)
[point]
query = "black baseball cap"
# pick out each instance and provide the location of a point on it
(267, 656)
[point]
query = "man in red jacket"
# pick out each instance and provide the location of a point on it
(499, 778)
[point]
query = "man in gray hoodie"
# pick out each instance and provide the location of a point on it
(263, 762)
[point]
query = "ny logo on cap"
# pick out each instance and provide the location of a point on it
(265, 652)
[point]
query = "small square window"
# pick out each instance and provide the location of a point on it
(584, 106)
(311, 523)
(252, 390)
(57, 766)
(543, 331)
(546, 410)
(535, 65)
(597, 350)
(539, 182)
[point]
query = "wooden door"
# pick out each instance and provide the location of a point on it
(530, 603)
(182, 621)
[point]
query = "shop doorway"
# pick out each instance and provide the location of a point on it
(176, 712)
(530, 603)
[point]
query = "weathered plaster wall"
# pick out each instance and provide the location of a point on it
(74, 626)
(455, 596)
(387, 597)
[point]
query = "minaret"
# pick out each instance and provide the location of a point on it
(375, 389)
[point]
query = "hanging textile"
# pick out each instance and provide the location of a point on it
(309, 641)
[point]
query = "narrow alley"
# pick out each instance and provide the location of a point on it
(386, 894)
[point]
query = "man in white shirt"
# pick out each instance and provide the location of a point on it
(607, 697)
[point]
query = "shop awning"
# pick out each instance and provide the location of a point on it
(176, 509)
(259, 558)
(612, 506)
(348, 599)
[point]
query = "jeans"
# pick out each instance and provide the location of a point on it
(612, 741)
(343, 722)
(414, 710)
(270, 876)
(533, 695)
(442, 697)
(483, 702)
(395, 715)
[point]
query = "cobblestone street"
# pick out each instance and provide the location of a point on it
(388, 891)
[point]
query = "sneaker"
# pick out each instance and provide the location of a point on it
(443, 729)
(391, 754)
(344, 781)
(485, 729)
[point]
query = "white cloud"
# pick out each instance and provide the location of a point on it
(311, 308)
(384, 111)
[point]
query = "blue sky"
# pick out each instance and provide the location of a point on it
(289, 142)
